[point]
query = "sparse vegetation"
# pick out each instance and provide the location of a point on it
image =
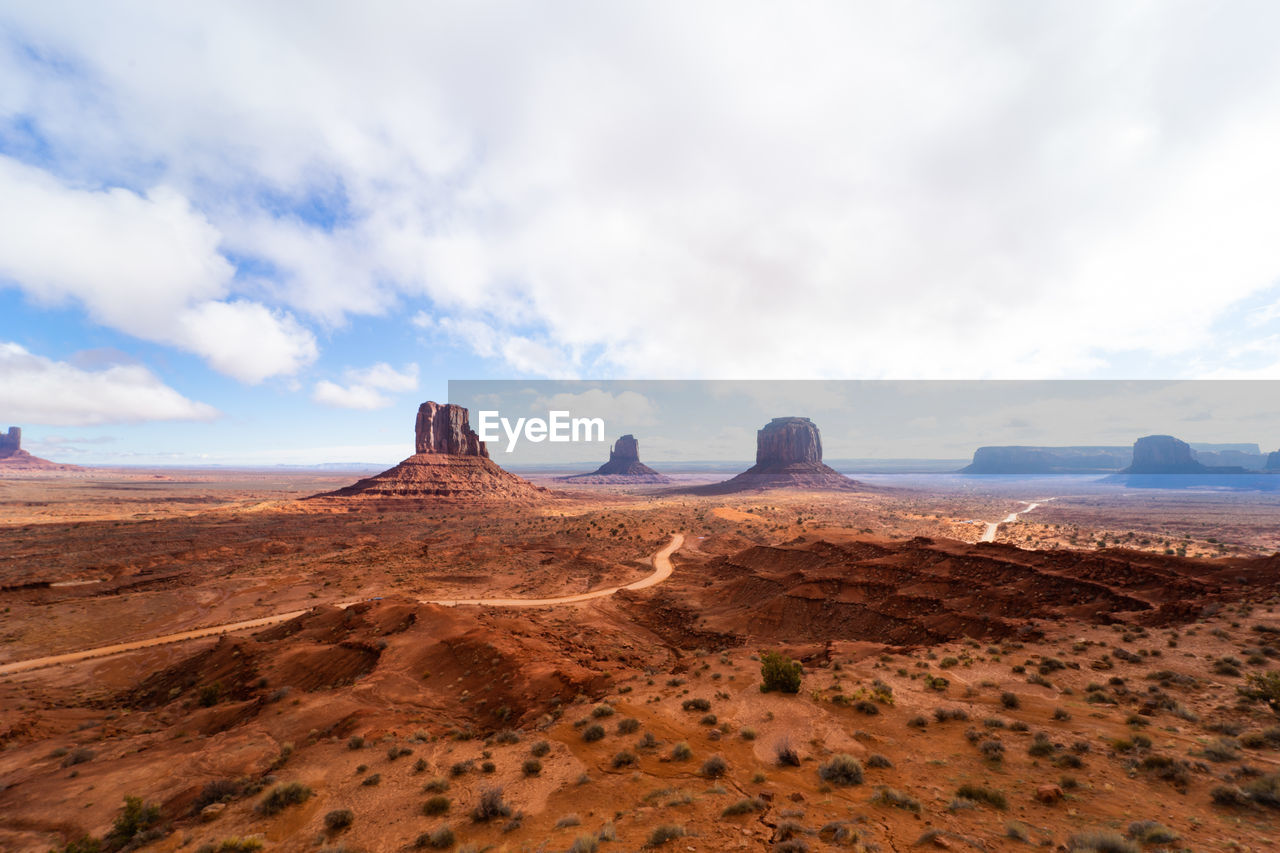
(779, 673)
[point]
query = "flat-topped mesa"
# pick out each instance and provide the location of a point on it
(1163, 454)
(10, 442)
(446, 429)
(1273, 461)
(788, 456)
(624, 467)
(788, 441)
(449, 461)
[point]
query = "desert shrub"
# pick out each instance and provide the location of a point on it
(664, 833)
(531, 767)
(490, 806)
(355, 742)
(1099, 841)
(981, 794)
(917, 722)
(462, 768)
(282, 796)
(1061, 714)
(1167, 769)
(420, 766)
(842, 770)
(1222, 749)
(714, 767)
(137, 820)
(992, 750)
(628, 725)
(602, 711)
(438, 785)
(1151, 832)
(441, 838)
(709, 720)
(943, 715)
(1010, 700)
(747, 805)
(79, 755)
(375, 779)
(779, 672)
(681, 752)
(593, 733)
(1265, 791)
(584, 844)
(785, 754)
(897, 799)
(216, 791)
(791, 845)
(623, 759)
(696, 704)
(878, 761)
(747, 733)
(339, 819)
(1040, 746)
(1263, 687)
(568, 820)
(540, 749)
(437, 805)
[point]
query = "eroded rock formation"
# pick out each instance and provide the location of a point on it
(624, 466)
(10, 442)
(1273, 460)
(1021, 459)
(446, 429)
(788, 456)
(1163, 454)
(450, 461)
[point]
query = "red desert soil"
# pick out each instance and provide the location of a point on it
(993, 697)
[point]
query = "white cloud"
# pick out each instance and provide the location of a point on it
(754, 189)
(364, 387)
(147, 265)
(38, 390)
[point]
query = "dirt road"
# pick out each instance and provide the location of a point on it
(661, 571)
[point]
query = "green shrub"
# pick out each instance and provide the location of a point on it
(593, 733)
(531, 767)
(779, 672)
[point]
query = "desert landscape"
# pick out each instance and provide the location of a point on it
(447, 656)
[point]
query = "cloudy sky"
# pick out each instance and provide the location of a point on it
(265, 231)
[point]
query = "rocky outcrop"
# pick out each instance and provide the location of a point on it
(10, 442)
(624, 467)
(446, 429)
(1017, 459)
(450, 462)
(788, 456)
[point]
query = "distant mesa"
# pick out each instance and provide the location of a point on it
(450, 461)
(624, 467)
(1273, 461)
(788, 456)
(1020, 459)
(14, 458)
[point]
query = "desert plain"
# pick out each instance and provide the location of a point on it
(1082, 682)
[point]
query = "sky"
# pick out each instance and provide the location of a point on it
(256, 233)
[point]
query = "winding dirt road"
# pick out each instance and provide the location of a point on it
(989, 535)
(661, 571)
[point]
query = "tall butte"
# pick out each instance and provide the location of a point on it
(624, 466)
(449, 461)
(14, 458)
(788, 456)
